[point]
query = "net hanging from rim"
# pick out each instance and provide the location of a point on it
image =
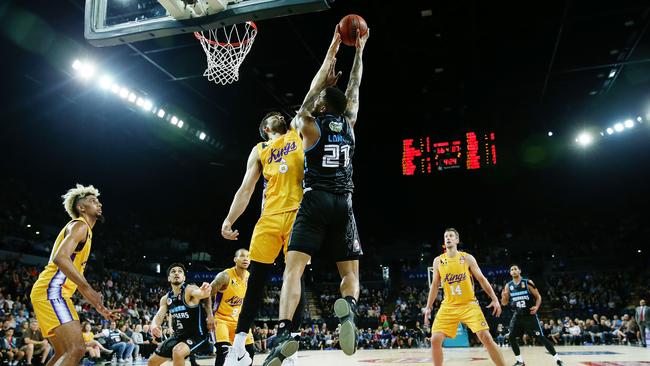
(226, 49)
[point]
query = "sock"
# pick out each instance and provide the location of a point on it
(353, 303)
(519, 359)
(240, 341)
(284, 326)
(556, 357)
(259, 274)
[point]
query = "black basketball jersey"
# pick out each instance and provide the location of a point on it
(328, 164)
(521, 300)
(188, 321)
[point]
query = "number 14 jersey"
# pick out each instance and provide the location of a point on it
(328, 163)
(456, 279)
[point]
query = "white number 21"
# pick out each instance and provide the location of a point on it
(332, 157)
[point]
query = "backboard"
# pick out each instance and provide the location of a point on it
(114, 22)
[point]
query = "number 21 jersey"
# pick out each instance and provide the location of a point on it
(328, 163)
(456, 280)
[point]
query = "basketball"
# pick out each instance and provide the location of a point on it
(348, 27)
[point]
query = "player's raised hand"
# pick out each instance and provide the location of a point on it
(227, 232)
(156, 331)
(496, 307)
(205, 290)
(533, 310)
(427, 315)
(361, 40)
(332, 75)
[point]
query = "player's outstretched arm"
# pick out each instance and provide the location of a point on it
(538, 297)
(243, 195)
(159, 318)
(326, 76)
(76, 233)
(433, 291)
(197, 293)
(220, 282)
(352, 91)
(485, 285)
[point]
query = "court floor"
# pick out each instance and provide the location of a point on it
(583, 356)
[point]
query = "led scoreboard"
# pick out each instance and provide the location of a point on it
(425, 155)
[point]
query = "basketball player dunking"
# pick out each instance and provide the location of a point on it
(229, 287)
(455, 270)
(326, 122)
(64, 274)
(520, 292)
(189, 319)
(280, 159)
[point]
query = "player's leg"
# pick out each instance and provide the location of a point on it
(221, 353)
(156, 360)
(436, 347)
(515, 331)
(58, 350)
(291, 285)
(180, 351)
(535, 329)
(346, 307)
(493, 350)
(71, 342)
(473, 317)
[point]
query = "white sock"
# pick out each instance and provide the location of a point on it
(519, 359)
(240, 341)
(557, 357)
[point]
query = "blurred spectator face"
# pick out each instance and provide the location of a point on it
(9, 332)
(87, 327)
(113, 325)
(138, 328)
(145, 328)
(642, 303)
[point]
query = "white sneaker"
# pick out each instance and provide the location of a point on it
(121, 360)
(291, 360)
(237, 357)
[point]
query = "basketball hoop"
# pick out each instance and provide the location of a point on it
(226, 49)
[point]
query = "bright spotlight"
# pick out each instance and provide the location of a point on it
(612, 74)
(174, 120)
(610, 130)
(105, 82)
(550, 133)
(202, 136)
(619, 127)
(629, 123)
(147, 105)
(639, 119)
(139, 102)
(86, 70)
(161, 113)
(585, 139)
(180, 124)
(132, 97)
(124, 92)
(115, 88)
(76, 64)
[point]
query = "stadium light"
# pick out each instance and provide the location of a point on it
(139, 102)
(639, 119)
(180, 124)
(86, 70)
(612, 73)
(147, 105)
(105, 82)
(202, 136)
(550, 133)
(29, 225)
(610, 130)
(132, 97)
(124, 92)
(619, 127)
(115, 88)
(174, 120)
(161, 113)
(584, 139)
(629, 123)
(38, 233)
(76, 64)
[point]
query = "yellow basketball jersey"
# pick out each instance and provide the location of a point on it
(51, 282)
(456, 279)
(283, 165)
(228, 302)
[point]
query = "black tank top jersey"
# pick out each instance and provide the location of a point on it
(189, 321)
(328, 164)
(521, 300)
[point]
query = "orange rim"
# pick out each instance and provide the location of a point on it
(200, 37)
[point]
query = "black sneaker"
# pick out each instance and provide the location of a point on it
(560, 363)
(286, 347)
(348, 332)
(519, 364)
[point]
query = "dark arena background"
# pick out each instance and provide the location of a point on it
(525, 126)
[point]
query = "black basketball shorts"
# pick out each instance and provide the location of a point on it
(526, 323)
(326, 221)
(196, 344)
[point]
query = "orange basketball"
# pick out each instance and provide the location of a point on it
(349, 26)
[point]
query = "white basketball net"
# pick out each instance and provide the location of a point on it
(226, 49)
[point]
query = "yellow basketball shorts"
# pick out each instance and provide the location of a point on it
(225, 332)
(271, 235)
(448, 317)
(53, 313)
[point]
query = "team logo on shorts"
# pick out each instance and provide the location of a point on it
(189, 342)
(169, 301)
(336, 126)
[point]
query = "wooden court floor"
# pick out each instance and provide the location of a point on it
(534, 356)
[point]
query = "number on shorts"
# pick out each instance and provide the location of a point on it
(332, 157)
